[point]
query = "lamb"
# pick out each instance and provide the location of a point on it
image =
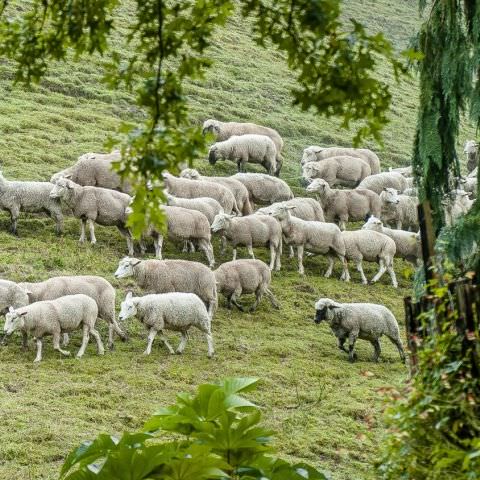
(345, 205)
(367, 321)
(405, 171)
(163, 276)
(95, 204)
(95, 170)
(399, 209)
(379, 181)
(244, 276)
(186, 188)
(316, 237)
(239, 190)
(245, 149)
(407, 244)
(456, 203)
(344, 170)
(16, 197)
(54, 317)
(264, 189)
(371, 246)
(172, 311)
(224, 130)
(471, 150)
(317, 154)
(251, 231)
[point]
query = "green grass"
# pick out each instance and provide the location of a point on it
(326, 411)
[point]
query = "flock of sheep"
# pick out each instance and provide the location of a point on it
(244, 210)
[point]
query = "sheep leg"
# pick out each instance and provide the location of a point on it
(399, 224)
(377, 350)
(359, 266)
(56, 344)
(398, 343)
(207, 249)
(223, 241)
(211, 350)
(96, 336)
(185, 246)
(278, 258)
(85, 339)
(158, 242)
(258, 297)
(341, 344)
(191, 247)
(211, 308)
(345, 273)
(233, 299)
(24, 340)
(329, 271)
(65, 340)
(381, 271)
(352, 338)
(391, 272)
(39, 343)
(301, 270)
(342, 224)
(183, 343)
(14, 213)
(272, 254)
(292, 252)
(143, 246)
(91, 226)
(272, 299)
(163, 338)
(83, 223)
(58, 217)
(151, 337)
(234, 253)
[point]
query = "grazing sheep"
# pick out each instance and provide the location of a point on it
(54, 317)
(16, 197)
(373, 247)
(316, 237)
(456, 203)
(186, 188)
(346, 171)
(224, 130)
(405, 171)
(238, 189)
(95, 170)
(94, 287)
(400, 210)
(379, 181)
(471, 150)
(163, 276)
(345, 205)
(407, 244)
(366, 321)
(244, 276)
(251, 231)
(264, 189)
(12, 295)
(172, 311)
(245, 149)
(95, 205)
(317, 154)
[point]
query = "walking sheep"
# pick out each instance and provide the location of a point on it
(34, 197)
(54, 317)
(379, 181)
(171, 311)
(244, 276)
(367, 321)
(304, 208)
(399, 210)
(245, 149)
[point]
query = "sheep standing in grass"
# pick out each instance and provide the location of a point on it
(95, 205)
(399, 210)
(379, 181)
(244, 276)
(163, 276)
(171, 311)
(34, 197)
(54, 317)
(471, 150)
(346, 171)
(244, 149)
(345, 205)
(367, 321)
(224, 130)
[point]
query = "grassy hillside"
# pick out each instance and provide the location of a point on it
(325, 410)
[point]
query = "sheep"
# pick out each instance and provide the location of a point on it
(224, 130)
(316, 154)
(344, 170)
(186, 188)
(305, 208)
(400, 210)
(251, 231)
(407, 244)
(345, 205)
(95, 205)
(456, 203)
(471, 150)
(367, 321)
(238, 189)
(469, 184)
(316, 237)
(163, 276)
(95, 287)
(264, 189)
(245, 149)
(373, 247)
(172, 311)
(244, 276)
(12, 295)
(407, 172)
(95, 170)
(54, 317)
(206, 205)
(16, 197)
(379, 181)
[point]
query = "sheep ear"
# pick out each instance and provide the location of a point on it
(11, 309)
(385, 189)
(134, 264)
(129, 295)
(291, 207)
(23, 314)
(68, 176)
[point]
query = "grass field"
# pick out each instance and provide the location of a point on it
(326, 411)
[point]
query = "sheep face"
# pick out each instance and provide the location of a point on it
(323, 308)
(128, 308)
(13, 321)
(221, 222)
(373, 223)
(309, 171)
(281, 212)
(319, 185)
(62, 188)
(390, 195)
(211, 126)
(190, 173)
(310, 154)
(470, 147)
(125, 267)
(212, 155)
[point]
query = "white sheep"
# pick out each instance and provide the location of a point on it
(367, 321)
(12, 295)
(54, 317)
(34, 197)
(379, 181)
(224, 130)
(163, 276)
(171, 311)
(407, 172)
(456, 203)
(345, 205)
(244, 276)
(471, 150)
(399, 210)
(244, 149)
(342, 170)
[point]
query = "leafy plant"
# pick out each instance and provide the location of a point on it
(217, 434)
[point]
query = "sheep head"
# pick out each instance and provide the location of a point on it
(373, 223)
(319, 185)
(221, 221)
(212, 126)
(323, 309)
(13, 320)
(190, 173)
(125, 267)
(128, 307)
